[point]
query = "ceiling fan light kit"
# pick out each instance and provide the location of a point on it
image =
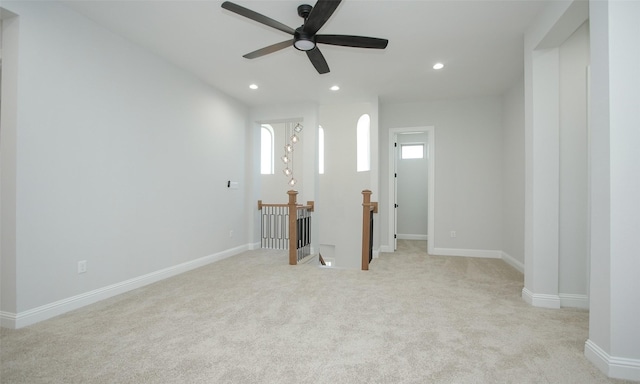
(303, 41)
(304, 37)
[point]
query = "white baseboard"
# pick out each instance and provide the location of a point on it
(254, 246)
(405, 236)
(562, 300)
(387, 248)
(541, 300)
(7, 319)
(571, 300)
(517, 264)
(614, 367)
(47, 311)
(488, 254)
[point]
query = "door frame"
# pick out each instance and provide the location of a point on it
(393, 158)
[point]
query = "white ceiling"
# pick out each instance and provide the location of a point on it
(479, 41)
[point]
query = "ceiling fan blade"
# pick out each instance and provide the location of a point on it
(319, 15)
(242, 11)
(353, 41)
(269, 49)
(318, 61)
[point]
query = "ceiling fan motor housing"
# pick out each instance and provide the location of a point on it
(303, 41)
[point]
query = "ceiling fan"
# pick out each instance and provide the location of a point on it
(305, 37)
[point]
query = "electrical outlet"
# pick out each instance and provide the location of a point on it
(82, 266)
(231, 233)
(454, 234)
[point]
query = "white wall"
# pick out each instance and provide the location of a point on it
(557, 147)
(8, 123)
(341, 186)
(513, 175)
(565, 149)
(614, 335)
(412, 190)
(117, 162)
(545, 122)
(468, 169)
(613, 170)
(573, 241)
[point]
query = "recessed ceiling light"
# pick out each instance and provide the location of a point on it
(334, 88)
(438, 66)
(253, 86)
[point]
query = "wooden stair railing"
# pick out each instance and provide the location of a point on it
(273, 225)
(368, 209)
(299, 225)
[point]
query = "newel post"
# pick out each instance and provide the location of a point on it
(366, 229)
(293, 227)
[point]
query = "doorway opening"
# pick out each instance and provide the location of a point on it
(416, 189)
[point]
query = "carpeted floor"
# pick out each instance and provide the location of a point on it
(412, 318)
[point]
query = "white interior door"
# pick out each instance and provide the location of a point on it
(412, 186)
(395, 191)
(394, 154)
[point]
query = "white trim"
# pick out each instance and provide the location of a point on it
(431, 187)
(572, 300)
(405, 236)
(515, 263)
(309, 259)
(254, 246)
(47, 311)
(487, 254)
(597, 356)
(386, 249)
(614, 367)
(7, 319)
(541, 300)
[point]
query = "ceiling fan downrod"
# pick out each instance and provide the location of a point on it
(304, 10)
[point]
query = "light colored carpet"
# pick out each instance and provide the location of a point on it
(412, 318)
